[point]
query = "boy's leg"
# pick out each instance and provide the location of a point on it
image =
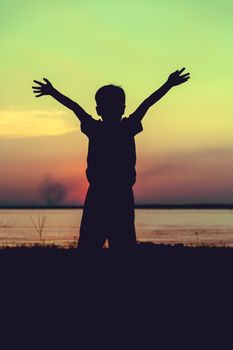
(122, 234)
(92, 229)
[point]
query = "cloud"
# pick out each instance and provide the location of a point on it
(188, 161)
(33, 123)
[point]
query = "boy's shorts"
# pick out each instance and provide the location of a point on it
(108, 214)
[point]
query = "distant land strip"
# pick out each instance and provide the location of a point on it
(137, 206)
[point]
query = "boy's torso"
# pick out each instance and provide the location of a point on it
(111, 156)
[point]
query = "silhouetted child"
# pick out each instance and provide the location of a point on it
(109, 205)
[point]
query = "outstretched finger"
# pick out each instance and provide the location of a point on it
(185, 75)
(37, 90)
(36, 87)
(38, 82)
(182, 69)
(185, 79)
(38, 95)
(46, 80)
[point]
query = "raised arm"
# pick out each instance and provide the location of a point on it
(176, 78)
(47, 89)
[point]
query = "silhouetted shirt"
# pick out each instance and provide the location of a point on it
(111, 155)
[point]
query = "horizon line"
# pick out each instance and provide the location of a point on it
(137, 206)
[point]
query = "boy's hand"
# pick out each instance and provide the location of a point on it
(43, 88)
(176, 78)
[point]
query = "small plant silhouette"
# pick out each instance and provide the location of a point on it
(39, 226)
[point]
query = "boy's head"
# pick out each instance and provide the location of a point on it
(110, 102)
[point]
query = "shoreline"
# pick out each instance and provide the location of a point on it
(137, 206)
(72, 245)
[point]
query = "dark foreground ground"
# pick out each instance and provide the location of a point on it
(119, 299)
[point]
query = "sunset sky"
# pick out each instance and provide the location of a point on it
(185, 153)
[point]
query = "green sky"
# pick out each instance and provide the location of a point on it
(81, 45)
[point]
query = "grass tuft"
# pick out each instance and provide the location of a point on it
(39, 226)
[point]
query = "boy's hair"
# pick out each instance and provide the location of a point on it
(110, 93)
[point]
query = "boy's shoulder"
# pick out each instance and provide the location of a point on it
(131, 124)
(89, 126)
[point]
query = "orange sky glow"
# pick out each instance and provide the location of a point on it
(184, 154)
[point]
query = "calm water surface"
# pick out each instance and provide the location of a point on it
(61, 227)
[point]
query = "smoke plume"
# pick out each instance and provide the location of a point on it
(53, 192)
